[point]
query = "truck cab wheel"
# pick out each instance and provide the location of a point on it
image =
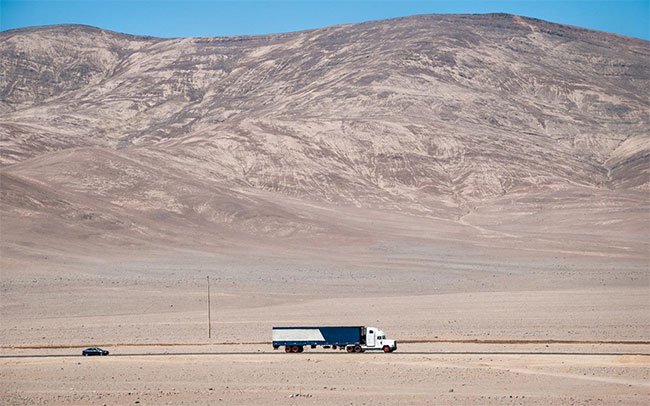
(386, 348)
(357, 348)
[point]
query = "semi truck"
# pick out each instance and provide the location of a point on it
(349, 338)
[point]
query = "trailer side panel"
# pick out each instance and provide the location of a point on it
(340, 335)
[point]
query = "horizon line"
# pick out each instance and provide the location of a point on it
(279, 33)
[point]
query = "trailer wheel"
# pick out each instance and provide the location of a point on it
(349, 348)
(333, 347)
(287, 349)
(386, 348)
(357, 348)
(295, 348)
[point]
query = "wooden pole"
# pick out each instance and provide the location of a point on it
(209, 318)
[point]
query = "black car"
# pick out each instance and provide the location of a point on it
(93, 351)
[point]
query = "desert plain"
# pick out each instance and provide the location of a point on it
(152, 316)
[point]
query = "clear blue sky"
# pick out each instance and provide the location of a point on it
(173, 18)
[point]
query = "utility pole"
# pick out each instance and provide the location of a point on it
(209, 318)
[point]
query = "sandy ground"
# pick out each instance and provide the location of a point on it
(130, 307)
(165, 301)
(254, 374)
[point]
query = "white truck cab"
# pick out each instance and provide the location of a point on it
(376, 340)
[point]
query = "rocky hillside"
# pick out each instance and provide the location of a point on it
(429, 115)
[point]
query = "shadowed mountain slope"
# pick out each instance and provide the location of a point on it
(437, 117)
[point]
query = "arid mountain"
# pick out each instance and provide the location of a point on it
(474, 127)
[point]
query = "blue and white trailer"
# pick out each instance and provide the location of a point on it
(350, 338)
